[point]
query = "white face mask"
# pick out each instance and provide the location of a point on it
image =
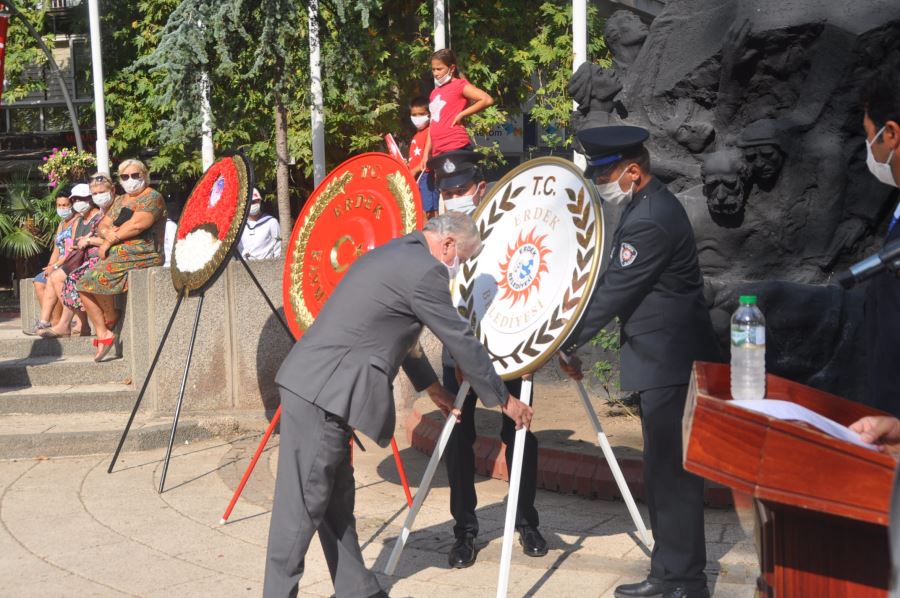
(419, 121)
(64, 213)
(612, 193)
(453, 267)
(133, 185)
(463, 203)
(444, 79)
(103, 199)
(881, 170)
(254, 209)
(81, 206)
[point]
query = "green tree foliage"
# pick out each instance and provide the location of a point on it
(24, 58)
(374, 60)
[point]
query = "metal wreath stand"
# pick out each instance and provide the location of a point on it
(489, 214)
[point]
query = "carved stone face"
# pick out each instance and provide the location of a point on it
(723, 183)
(765, 162)
(625, 33)
(724, 193)
(606, 84)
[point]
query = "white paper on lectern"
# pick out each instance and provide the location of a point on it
(785, 410)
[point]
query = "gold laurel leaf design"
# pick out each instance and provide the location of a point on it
(403, 193)
(302, 313)
(581, 219)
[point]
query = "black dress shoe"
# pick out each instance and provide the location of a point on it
(462, 554)
(533, 543)
(648, 587)
(682, 592)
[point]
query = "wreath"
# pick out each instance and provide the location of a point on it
(579, 208)
(210, 222)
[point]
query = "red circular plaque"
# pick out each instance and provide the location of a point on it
(363, 203)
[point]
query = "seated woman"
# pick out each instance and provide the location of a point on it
(63, 241)
(132, 233)
(100, 200)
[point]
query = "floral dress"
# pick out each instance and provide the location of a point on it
(110, 276)
(70, 297)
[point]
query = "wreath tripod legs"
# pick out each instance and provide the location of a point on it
(146, 383)
(187, 367)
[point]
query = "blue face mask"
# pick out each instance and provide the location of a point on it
(64, 213)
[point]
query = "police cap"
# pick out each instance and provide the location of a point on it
(604, 146)
(456, 169)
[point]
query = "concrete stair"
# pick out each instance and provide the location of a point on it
(56, 401)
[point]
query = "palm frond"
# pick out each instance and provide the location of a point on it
(19, 244)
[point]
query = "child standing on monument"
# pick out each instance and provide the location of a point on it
(452, 100)
(419, 115)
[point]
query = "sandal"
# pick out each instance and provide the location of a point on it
(106, 344)
(50, 333)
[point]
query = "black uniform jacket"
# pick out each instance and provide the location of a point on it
(655, 287)
(883, 337)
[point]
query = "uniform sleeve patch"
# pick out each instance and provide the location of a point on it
(627, 254)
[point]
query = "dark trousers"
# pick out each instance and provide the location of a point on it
(314, 491)
(674, 496)
(459, 458)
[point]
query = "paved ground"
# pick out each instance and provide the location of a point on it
(67, 528)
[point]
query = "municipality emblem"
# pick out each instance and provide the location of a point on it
(521, 270)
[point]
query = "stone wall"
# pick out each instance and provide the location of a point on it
(239, 346)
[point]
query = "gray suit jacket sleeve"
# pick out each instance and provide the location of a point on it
(418, 369)
(432, 304)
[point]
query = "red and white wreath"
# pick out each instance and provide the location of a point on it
(210, 222)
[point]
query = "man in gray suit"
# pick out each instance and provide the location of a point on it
(339, 377)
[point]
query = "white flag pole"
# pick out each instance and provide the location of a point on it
(440, 25)
(579, 49)
(317, 110)
(99, 105)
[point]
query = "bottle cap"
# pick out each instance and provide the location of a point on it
(748, 300)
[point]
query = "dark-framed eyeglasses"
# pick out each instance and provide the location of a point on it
(136, 176)
(100, 179)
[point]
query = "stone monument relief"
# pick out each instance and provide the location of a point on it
(755, 124)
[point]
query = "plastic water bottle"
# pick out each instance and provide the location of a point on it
(748, 351)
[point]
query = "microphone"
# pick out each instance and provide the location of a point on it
(888, 258)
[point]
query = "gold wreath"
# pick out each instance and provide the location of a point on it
(302, 313)
(399, 188)
(579, 208)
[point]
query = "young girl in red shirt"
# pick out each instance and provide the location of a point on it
(452, 100)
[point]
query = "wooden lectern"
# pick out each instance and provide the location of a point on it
(822, 504)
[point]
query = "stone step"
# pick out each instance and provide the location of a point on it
(49, 370)
(78, 398)
(16, 345)
(60, 435)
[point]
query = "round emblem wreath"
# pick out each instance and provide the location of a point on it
(301, 306)
(210, 222)
(576, 295)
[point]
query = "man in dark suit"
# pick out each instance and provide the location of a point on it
(881, 100)
(339, 377)
(655, 287)
(461, 183)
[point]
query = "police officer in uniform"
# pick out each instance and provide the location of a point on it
(462, 186)
(655, 287)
